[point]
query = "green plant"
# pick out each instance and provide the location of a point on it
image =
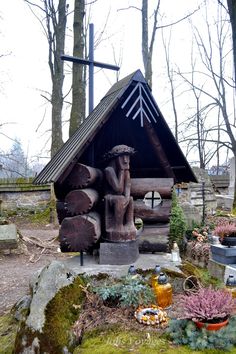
(178, 224)
(129, 291)
(185, 332)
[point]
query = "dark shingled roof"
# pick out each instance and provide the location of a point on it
(75, 145)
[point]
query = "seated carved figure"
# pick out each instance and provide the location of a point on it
(119, 221)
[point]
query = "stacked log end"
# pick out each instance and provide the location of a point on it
(80, 222)
(80, 232)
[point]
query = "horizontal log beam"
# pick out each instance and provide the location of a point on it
(141, 186)
(158, 214)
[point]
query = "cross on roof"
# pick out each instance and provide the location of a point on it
(91, 63)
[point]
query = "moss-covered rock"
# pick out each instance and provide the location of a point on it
(8, 329)
(61, 312)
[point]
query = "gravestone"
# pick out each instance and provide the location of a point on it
(8, 237)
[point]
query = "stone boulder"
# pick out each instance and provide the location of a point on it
(44, 287)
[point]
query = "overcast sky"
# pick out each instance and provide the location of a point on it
(25, 74)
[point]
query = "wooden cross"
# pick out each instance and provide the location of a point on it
(153, 198)
(91, 63)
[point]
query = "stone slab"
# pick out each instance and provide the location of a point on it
(223, 259)
(223, 254)
(224, 250)
(8, 236)
(145, 261)
(118, 253)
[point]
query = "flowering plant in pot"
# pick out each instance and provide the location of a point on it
(208, 307)
(226, 233)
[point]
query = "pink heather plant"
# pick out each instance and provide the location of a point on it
(206, 304)
(225, 230)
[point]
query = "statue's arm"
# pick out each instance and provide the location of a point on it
(127, 184)
(117, 183)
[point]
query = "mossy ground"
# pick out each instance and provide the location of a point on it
(117, 341)
(8, 329)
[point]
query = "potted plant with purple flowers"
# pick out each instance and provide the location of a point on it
(226, 233)
(208, 307)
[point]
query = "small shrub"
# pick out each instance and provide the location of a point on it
(186, 333)
(178, 224)
(131, 291)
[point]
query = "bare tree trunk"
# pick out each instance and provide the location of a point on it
(147, 50)
(232, 15)
(78, 84)
(56, 49)
(55, 28)
(171, 81)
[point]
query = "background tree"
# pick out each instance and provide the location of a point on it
(53, 21)
(78, 76)
(14, 162)
(232, 14)
(214, 79)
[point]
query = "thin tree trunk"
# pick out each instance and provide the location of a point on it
(56, 49)
(232, 15)
(78, 84)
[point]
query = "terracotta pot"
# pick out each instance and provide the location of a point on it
(211, 326)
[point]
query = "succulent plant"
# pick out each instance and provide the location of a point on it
(206, 304)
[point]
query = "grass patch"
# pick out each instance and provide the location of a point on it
(115, 340)
(40, 217)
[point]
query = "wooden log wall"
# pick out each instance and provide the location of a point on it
(155, 234)
(80, 222)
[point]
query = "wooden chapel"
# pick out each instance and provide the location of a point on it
(128, 115)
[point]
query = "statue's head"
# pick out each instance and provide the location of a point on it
(121, 153)
(119, 150)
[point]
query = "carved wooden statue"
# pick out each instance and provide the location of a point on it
(119, 216)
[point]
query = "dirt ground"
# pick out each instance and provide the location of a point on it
(17, 269)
